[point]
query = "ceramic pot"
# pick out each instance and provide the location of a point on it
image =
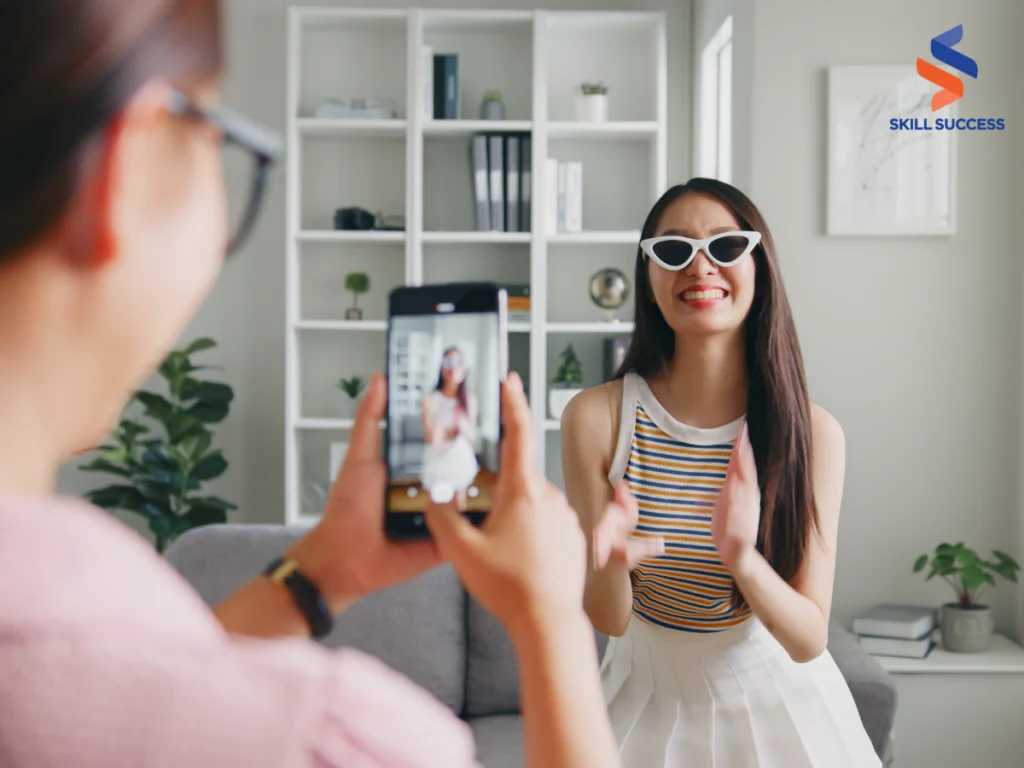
(966, 630)
(354, 313)
(592, 108)
(492, 110)
(558, 399)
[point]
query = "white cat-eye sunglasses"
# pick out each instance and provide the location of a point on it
(675, 252)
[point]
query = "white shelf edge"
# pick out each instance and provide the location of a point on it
(598, 327)
(457, 238)
(307, 520)
(1005, 656)
(315, 126)
(333, 424)
(625, 129)
(341, 325)
(518, 327)
(552, 425)
(615, 237)
(350, 236)
(436, 127)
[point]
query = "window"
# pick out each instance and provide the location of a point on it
(715, 159)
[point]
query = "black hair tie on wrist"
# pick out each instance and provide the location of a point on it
(305, 594)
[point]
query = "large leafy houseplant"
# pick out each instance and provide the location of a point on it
(164, 460)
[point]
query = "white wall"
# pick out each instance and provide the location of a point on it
(246, 312)
(913, 343)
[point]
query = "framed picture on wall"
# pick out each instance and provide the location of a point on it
(890, 170)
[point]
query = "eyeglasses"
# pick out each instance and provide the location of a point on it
(675, 252)
(263, 146)
(451, 362)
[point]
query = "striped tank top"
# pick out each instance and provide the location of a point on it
(675, 472)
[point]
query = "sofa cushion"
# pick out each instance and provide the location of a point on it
(417, 628)
(873, 689)
(492, 675)
(499, 741)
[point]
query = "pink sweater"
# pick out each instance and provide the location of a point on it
(108, 659)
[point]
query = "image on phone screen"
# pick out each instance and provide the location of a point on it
(444, 416)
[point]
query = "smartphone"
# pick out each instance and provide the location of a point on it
(447, 358)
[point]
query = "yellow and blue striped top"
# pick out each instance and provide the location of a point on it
(676, 472)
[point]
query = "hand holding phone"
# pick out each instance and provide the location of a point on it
(526, 563)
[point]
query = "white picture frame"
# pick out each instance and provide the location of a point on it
(883, 181)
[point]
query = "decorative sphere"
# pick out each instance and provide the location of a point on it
(609, 288)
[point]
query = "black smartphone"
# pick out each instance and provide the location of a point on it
(447, 357)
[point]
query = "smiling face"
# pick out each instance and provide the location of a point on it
(702, 297)
(453, 371)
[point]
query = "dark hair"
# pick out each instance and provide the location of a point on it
(66, 69)
(778, 406)
(463, 395)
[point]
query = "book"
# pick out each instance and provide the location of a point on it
(563, 189)
(891, 646)
(573, 196)
(551, 195)
(447, 99)
(428, 82)
(496, 170)
(525, 183)
(518, 303)
(512, 145)
(908, 622)
(479, 171)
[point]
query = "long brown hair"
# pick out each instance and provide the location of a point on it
(778, 406)
(66, 69)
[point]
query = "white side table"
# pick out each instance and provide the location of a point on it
(958, 710)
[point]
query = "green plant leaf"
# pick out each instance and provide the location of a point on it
(920, 563)
(207, 391)
(200, 345)
(101, 464)
(1005, 559)
(973, 577)
(208, 412)
(125, 497)
(945, 549)
(210, 466)
(212, 501)
(200, 514)
(944, 565)
(195, 445)
(156, 405)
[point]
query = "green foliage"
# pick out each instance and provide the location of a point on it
(594, 89)
(492, 95)
(357, 282)
(353, 387)
(966, 572)
(162, 464)
(570, 371)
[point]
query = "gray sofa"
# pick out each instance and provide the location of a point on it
(438, 636)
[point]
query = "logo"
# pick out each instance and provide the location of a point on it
(951, 89)
(951, 85)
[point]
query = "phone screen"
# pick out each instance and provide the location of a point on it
(447, 357)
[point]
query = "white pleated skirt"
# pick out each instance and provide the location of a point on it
(729, 699)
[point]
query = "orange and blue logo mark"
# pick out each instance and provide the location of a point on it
(951, 88)
(943, 49)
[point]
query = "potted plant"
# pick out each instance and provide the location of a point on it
(592, 103)
(164, 457)
(356, 283)
(568, 382)
(492, 108)
(967, 624)
(352, 388)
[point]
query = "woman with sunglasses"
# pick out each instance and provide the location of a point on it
(711, 488)
(449, 424)
(113, 228)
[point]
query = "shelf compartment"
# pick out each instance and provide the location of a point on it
(572, 270)
(324, 265)
(463, 238)
(506, 263)
(636, 129)
(350, 236)
(461, 129)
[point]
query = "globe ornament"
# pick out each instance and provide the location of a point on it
(609, 289)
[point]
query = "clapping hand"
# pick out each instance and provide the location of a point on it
(737, 512)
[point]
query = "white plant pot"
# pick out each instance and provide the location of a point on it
(558, 399)
(966, 630)
(347, 410)
(592, 108)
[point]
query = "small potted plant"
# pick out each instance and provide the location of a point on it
(353, 388)
(492, 107)
(356, 283)
(568, 382)
(967, 624)
(592, 103)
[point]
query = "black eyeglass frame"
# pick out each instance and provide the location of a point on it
(264, 144)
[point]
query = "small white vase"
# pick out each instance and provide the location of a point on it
(558, 399)
(592, 108)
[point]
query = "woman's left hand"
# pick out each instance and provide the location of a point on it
(347, 553)
(737, 512)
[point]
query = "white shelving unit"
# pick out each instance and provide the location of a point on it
(418, 168)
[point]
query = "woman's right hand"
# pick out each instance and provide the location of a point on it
(527, 562)
(614, 541)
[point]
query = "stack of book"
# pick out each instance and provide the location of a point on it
(518, 303)
(564, 206)
(500, 165)
(896, 630)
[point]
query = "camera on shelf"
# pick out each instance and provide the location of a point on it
(354, 218)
